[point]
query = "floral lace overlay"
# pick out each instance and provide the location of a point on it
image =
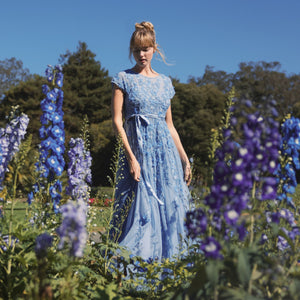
(154, 226)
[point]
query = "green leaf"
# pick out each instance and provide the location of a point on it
(243, 268)
(212, 272)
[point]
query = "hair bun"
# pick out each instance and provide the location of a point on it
(144, 25)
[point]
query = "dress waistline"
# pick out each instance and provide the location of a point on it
(144, 117)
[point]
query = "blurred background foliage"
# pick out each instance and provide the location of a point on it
(197, 105)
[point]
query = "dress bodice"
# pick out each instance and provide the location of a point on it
(144, 95)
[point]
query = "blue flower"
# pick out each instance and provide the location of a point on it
(46, 144)
(45, 89)
(56, 132)
(52, 95)
(46, 118)
(59, 79)
(30, 198)
(52, 162)
(57, 118)
(59, 68)
(48, 108)
(57, 149)
(42, 243)
(49, 73)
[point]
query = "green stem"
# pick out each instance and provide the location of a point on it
(10, 230)
(251, 279)
(114, 183)
(252, 216)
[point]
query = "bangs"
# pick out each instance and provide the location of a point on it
(142, 40)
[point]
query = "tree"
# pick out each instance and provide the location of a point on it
(86, 84)
(196, 110)
(87, 91)
(220, 79)
(264, 80)
(11, 74)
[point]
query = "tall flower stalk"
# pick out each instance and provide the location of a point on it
(74, 213)
(243, 174)
(289, 163)
(282, 212)
(51, 161)
(10, 141)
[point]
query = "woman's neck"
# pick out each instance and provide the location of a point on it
(147, 71)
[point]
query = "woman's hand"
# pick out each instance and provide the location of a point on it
(187, 172)
(134, 169)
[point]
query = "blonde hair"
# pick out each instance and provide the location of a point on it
(144, 36)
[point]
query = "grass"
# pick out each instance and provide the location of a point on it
(99, 214)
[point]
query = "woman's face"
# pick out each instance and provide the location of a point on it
(143, 56)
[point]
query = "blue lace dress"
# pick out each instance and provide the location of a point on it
(153, 226)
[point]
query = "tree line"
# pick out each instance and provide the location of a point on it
(197, 106)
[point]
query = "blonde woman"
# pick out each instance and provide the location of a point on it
(157, 171)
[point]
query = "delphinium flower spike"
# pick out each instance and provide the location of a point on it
(10, 139)
(238, 168)
(51, 161)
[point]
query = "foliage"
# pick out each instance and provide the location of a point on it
(196, 110)
(11, 74)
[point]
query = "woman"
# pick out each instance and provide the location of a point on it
(152, 193)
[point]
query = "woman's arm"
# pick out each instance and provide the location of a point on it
(117, 120)
(184, 159)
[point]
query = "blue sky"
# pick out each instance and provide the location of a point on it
(192, 33)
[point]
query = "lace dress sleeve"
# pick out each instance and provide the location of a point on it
(170, 89)
(119, 81)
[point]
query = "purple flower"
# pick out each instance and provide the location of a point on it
(211, 248)
(269, 188)
(231, 216)
(275, 217)
(196, 222)
(79, 170)
(264, 238)
(10, 140)
(73, 228)
(282, 243)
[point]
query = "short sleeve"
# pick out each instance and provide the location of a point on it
(118, 80)
(171, 90)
